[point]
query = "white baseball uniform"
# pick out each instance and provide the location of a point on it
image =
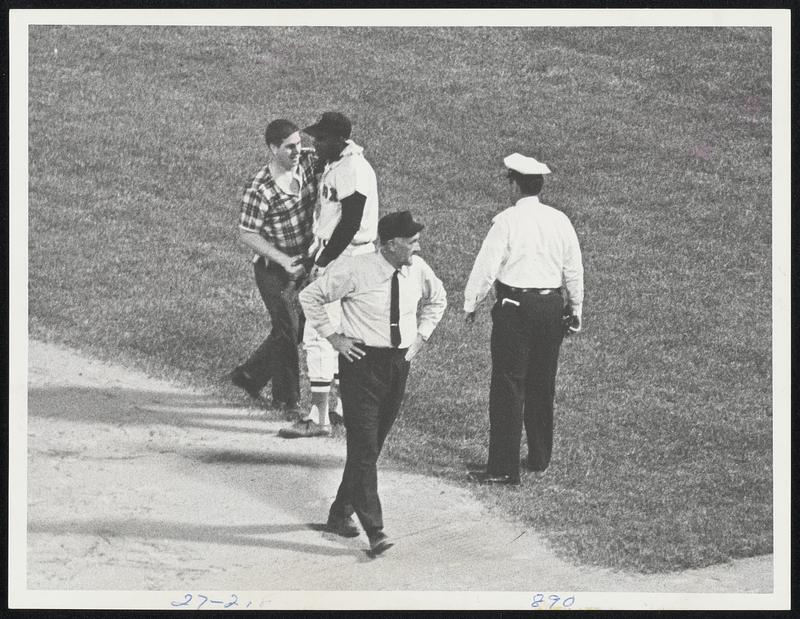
(347, 175)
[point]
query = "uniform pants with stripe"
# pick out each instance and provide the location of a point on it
(372, 390)
(526, 339)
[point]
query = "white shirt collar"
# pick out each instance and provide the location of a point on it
(388, 269)
(280, 177)
(531, 200)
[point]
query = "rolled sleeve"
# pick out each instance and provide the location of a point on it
(251, 215)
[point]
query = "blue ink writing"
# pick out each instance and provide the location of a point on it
(186, 599)
(203, 599)
(539, 601)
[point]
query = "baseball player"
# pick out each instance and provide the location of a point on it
(346, 223)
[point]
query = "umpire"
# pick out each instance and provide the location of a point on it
(532, 256)
(391, 303)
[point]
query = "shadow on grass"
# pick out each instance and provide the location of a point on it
(241, 535)
(132, 407)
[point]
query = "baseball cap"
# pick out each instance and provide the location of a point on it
(399, 224)
(525, 165)
(331, 123)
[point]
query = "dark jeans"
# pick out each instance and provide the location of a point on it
(525, 346)
(372, 390)
(277, 357)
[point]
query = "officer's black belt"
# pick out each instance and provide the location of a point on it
(506, 289)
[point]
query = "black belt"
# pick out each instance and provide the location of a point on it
(325, 243)
(505, 288)
(381, 350)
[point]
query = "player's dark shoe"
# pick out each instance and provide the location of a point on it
(482, 477)
(305, 428)
(344, 527)
(336, 418)
(243, 380)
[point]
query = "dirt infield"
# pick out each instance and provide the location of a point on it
(138, 484)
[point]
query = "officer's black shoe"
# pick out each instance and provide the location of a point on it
(483, 477)
(243, 380)
(344, 527)
(526, 464)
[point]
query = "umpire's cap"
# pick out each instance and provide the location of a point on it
(331, 124)
(399, 224)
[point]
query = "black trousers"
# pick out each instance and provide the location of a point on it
(372, 390)
(277, 357)
(526, 339)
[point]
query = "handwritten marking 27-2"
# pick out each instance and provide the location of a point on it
(203, 599)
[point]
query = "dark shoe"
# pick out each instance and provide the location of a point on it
(482, 477)
(342, 526)
(243, 380)
(336, 418)
(525, 463)
(379, 544)
(304, 429)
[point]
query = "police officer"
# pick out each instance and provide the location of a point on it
(532, 257)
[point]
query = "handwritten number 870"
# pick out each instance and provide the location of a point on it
(538, 599)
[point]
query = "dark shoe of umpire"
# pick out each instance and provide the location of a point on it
(379, 543)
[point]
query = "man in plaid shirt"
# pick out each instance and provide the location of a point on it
(275, 222)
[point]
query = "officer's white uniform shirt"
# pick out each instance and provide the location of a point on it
(341, 178)
(530, 245)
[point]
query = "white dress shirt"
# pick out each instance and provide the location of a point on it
(530, 245)
(349, 174)
(363, 283)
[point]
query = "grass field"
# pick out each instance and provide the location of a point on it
(141, 139)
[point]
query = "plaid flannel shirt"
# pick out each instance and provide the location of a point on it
(283, 219)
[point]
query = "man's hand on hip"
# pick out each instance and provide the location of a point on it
(415, 347)
(349, 348)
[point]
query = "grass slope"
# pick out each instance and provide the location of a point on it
(659, 139)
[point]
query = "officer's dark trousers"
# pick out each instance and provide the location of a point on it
(277, 357)
(525, 345)
(372, 390)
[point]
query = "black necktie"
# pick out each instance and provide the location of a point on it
(394, 312)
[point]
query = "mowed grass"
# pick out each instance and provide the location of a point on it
(141, 139)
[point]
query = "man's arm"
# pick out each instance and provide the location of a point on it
(487, 264)
(433, 303)
(431, 309)
(342, 235)
(261, 246)
(572, 275)
(332, 285)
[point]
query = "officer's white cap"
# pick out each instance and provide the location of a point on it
(525, 165)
